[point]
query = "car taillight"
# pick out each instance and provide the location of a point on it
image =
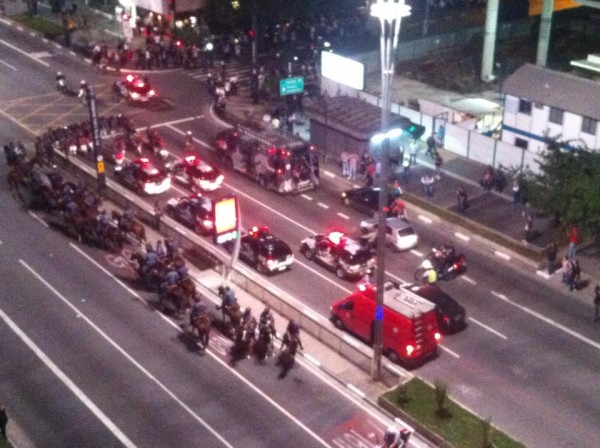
(409, 350)
(120, 155)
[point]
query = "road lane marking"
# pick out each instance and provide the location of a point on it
(17, 122)
(37, 218)
(356, 390)
(328, 173)
(488, 328)
(320, 204)
(343, 216)
(425, 219)
(307, 197)
(24, 53)
(552, 322)
(416, 252)
(468, 279)
(502, 255)
(127, 356)
(450, 352)
(462, 236)
(8, 65)
(67, 381)
(543, 274)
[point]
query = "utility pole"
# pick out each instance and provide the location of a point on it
(98, 159)
(545, 31)
(489, 41)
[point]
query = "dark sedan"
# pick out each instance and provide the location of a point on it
(195, 212)
(364, 199)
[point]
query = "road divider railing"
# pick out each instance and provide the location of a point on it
(205, 255)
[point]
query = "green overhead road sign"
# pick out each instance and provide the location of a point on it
(291, 86)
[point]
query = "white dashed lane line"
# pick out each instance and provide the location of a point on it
(307, 197)
(468, 279)
(490, 329)
(320, 204)
(425, 219)
(341, 215)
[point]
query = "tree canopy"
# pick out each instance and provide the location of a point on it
(568, 185)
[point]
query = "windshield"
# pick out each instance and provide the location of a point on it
(359, 257)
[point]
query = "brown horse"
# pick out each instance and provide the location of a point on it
(189, 286)
(263, 346)
(177, 296)
(202, 324)
(135, 227)
(234, 313)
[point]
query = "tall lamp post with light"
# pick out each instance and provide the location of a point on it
(389, 13)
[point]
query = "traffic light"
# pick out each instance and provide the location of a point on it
(416, 131)
(251, 34)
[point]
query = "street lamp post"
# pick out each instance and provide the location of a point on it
(389, 13)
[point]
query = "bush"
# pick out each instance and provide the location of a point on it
(50, 30)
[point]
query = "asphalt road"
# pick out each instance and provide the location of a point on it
(529, 357)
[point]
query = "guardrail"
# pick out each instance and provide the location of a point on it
(204, 254)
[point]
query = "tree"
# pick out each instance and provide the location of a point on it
(567, 186)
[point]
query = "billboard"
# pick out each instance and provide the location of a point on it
(226, 219)
(346, 71)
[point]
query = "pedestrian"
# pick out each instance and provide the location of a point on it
(158, 212)
(413, 148)
(396, 189)
(352, 165)
(400, 153)
(529, 229)
(438, 165)
(3, 421)
(462, 199)
(573, 241)
(551, 251)
(516, 189)
(344, 162)
(427, 181)
(575, 277)
(370, 174)
(597, 303)
(431, 146)
(440, 136)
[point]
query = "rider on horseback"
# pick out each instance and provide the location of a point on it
(150, 259)
(198, 309)
(126, 218)
(292, 333)
(171, 279)
(160, 250)
(266, 318)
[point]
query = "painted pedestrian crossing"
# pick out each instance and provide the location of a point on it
(243, 75)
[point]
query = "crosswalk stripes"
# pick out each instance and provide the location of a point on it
(243, 74)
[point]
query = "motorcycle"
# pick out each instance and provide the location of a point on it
(448, 271)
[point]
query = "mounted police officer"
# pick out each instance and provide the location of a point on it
(171, 279)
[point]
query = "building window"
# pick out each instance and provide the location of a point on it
(525, 106)
(589, 126)
(521, 143)
(556, 115)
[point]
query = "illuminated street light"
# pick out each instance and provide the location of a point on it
(389, 13)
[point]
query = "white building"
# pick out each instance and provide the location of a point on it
(541, 104)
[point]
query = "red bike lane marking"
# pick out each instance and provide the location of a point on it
(361, 431)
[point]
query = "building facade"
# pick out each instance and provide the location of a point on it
(542, 105)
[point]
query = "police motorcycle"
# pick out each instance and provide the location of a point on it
(61, 84)
(445, 261)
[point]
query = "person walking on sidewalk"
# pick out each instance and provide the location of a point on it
(529, 229)
(566, 269)
(462, 199)
(573, 241)
(344, 161)
(3, 421)
(438, 165)
(431, 146)
(352, 165)
(551, 251)
(427, 181)
(413, 148)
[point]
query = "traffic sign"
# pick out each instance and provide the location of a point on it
(291, 86)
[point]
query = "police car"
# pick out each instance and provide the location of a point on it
(339, 253)
(143, 176)
(196, 174)
(262, 250)
(195, 211)
(134, 89)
